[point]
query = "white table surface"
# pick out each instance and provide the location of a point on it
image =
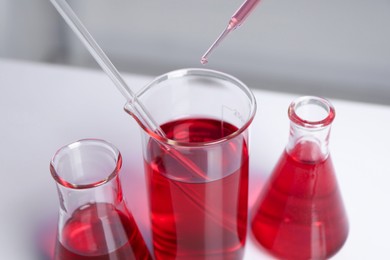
(43, 107)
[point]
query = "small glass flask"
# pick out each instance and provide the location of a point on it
(94, 222)
(300, 213)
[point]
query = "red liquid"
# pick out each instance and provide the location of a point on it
(301, 215)
(100, 232)
(199, 220)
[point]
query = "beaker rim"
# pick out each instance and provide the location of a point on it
(198, 72)
(95, 143)
(318, 120)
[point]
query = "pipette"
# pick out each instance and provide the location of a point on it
(237, 19)
(137, 108)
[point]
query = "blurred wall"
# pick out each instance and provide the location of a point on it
(331, 48)
(28, 30)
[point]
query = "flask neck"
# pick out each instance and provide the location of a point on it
(87, 172)
(308, 145)
(310, 125)
(72, 199)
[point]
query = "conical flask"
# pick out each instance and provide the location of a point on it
(94, 222)
(300, 212)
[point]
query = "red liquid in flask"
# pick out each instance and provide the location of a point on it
(100, 232)
(199, 220)
(301, 215)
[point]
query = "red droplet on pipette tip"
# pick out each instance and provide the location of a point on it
(203, 60)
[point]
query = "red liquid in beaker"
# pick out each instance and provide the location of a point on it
(100, 232)
(204, 220)
(301, 215)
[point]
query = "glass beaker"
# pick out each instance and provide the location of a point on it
(94, 222)
(198, 174)
(300, 212)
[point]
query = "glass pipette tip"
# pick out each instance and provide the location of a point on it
(222, 36)
(237, 19)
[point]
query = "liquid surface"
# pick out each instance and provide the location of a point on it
(301, 214)
(198, 220)
(100, 232)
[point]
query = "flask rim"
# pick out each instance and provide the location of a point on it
(63, 151)
(321, 103)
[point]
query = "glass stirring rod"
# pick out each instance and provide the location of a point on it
(237, 19)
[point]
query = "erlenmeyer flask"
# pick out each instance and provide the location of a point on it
(94, 222)
(300, 212)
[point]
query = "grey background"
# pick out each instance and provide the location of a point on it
(333, 48)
